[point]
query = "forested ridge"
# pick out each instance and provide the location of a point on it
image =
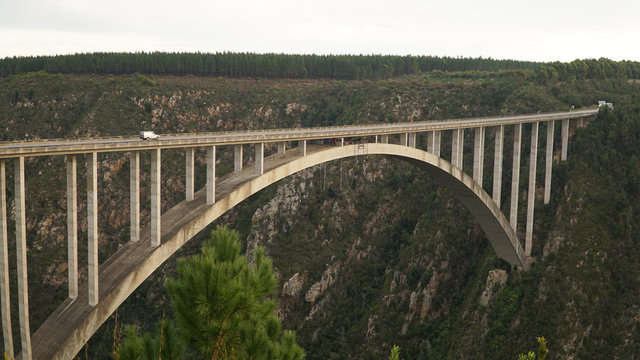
(253, 65)
(368, 252)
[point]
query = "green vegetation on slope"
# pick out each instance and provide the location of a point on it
(396, 258)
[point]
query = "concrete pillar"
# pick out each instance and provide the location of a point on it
(430, 138)
(341, 141)
(189, 174)
(548, 162)
(411, 140)
(211, 175)
(404, 139)
(384, 139)
(21, 254)
(515, 176)
(461, 149)
(260, 158)
(134, 194)
(92, 226)
(377, 140)
(72, 225)
(455, 148)
(156, 201)
(580, 123)
(497, 165)
(478, 155)
(237, 158)
(531, 194)
(437, 135)
(282, 149)
(565, 139)
(302, 147)
(7, 332)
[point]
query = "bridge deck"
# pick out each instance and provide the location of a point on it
(70, 315)
(131, 143)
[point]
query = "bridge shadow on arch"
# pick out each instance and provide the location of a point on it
(71, 325)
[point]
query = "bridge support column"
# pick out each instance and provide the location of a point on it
(156, 201)
(282, 149)
(457, 148)
(497, 165)
(548, 161)
(515, 177)
(237, 158)
(580, 123)
(531, 195)
(92, 226)
(21, 253)
(404, 139)
(384, 139)
(260, 158)
(4, 267)
(565, 139)
(411, 140)
(437, 136)
(302, 147)
(433, 142)
(189, 173)
(211, 175)
(478, 155)
(134, 194)
(341, 141)
(72, 225)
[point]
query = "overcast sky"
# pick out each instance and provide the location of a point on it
(541, 30)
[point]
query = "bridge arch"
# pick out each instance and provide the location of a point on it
(71, 325)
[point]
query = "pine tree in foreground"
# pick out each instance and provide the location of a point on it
(224, 305)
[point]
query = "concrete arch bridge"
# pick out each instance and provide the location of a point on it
(90, 303)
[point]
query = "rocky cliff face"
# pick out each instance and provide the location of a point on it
(369, 251)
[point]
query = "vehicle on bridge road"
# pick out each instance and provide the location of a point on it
(149, 135)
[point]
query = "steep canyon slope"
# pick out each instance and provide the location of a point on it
(369, 251)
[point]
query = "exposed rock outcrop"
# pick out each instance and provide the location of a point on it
(495, 280)
(328, 277)
(293, 286)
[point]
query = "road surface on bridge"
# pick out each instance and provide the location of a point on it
(109, 144)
